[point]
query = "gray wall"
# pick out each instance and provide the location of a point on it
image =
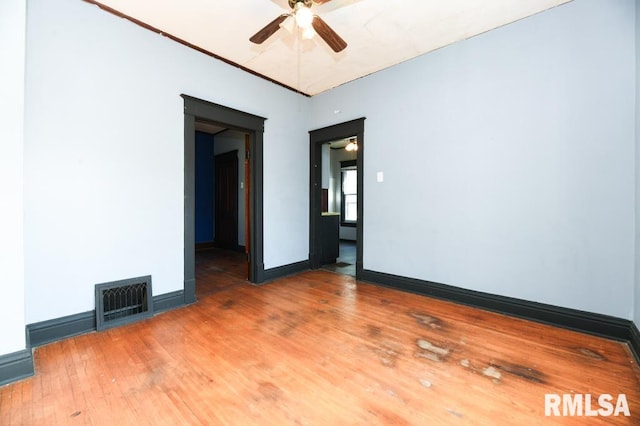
(104, 163)
(12, 57)
(637, 111)
(512, 159)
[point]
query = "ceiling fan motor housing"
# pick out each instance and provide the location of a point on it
(292, 3)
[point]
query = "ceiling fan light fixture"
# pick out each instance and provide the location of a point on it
(304, 16)
(352, 145)
(308, 33)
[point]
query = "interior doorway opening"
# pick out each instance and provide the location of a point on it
(336, 201)
(339, 211)
(200, 112)
(222, 222)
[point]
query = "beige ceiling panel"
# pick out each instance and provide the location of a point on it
(379, 33)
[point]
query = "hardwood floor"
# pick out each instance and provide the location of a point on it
(319, 348)
(218, 269)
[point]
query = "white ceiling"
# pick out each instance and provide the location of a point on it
(379, 33)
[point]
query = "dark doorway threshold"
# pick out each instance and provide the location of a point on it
(346, 261)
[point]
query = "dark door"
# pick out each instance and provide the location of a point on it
(226, 200)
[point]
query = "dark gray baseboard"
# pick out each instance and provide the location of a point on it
(16, 366)
(19, 365)
(167, 301)
(44, 332)
(41, 333)
(634, 341)
(573, 319)
(283, 271)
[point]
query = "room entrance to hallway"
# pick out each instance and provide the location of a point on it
(198, 114)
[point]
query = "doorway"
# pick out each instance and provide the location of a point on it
(318, 198)
(200, 110)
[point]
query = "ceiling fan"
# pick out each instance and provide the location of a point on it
(305, 19)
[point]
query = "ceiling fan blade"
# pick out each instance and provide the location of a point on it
(328, 35)
(318, 2)
(268, 30)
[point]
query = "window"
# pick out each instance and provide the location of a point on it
(349, 190)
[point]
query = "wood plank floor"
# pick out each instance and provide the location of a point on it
(318, 348)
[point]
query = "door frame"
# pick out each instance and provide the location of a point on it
(195, 108)
(317, 138)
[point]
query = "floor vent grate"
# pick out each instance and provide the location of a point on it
(122, 302)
